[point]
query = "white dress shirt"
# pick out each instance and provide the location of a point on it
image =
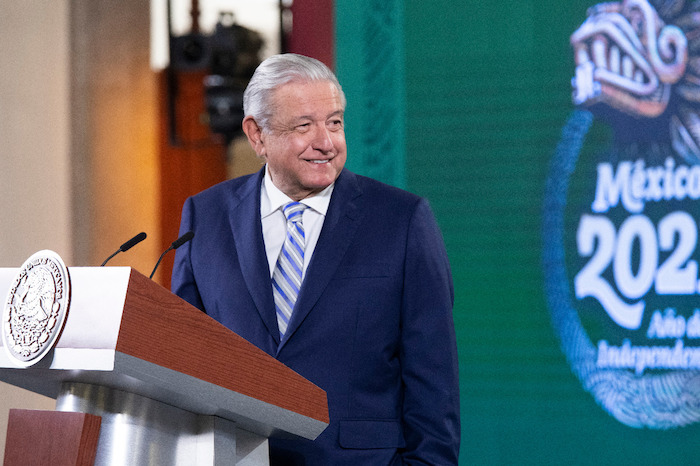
(274, 223)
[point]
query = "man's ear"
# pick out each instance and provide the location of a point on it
(254, 133)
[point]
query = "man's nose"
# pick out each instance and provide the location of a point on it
(322, 139)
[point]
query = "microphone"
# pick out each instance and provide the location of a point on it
(176, 244)
(128, 245)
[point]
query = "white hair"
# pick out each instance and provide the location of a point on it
(276, 71)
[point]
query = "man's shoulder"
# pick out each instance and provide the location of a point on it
(235, 187)
(379, 191)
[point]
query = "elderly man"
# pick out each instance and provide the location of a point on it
(340, 277)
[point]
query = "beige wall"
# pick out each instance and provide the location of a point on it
(113, 133)
(34, 130)
(34, 148)
(77, 139)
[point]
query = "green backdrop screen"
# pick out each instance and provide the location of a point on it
(485, 91)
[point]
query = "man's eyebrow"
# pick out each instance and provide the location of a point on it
(337, 113)
(299, 118)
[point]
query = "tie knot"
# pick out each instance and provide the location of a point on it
(293, 211)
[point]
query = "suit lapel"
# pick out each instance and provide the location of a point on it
(338, 230)
(247, 234)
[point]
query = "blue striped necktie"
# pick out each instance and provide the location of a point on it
(286, 279)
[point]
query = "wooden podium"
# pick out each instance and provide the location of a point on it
(162, 382)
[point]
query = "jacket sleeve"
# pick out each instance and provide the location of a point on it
(428, 348)
(183, 281)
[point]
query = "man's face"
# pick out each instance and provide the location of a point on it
(305, 146)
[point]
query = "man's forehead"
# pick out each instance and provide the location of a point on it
(303, 88)
(307, 99)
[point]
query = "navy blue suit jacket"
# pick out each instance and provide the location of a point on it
(373, 322)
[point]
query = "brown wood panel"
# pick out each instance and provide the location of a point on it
(191, 158)
(161, 328)
(51, 438)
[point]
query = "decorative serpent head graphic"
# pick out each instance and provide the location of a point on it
(642, 58)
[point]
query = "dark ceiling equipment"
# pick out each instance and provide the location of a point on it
(228, 56)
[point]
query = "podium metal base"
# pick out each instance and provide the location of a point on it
(137, 430)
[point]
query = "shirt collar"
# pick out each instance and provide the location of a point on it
(272, 199)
